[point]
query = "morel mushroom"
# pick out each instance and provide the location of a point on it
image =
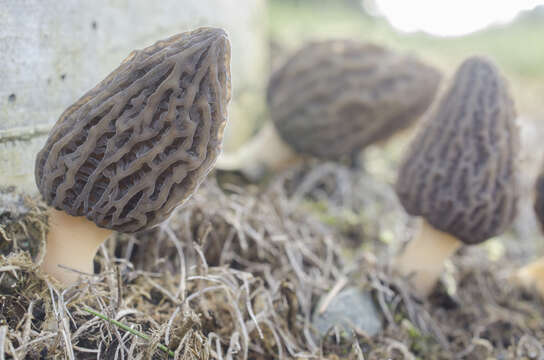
(135, 147)
(334, 98)
(459, 174)
(532, 274)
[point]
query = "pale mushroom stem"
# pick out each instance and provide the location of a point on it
(266, 151)
(532, 276)
(71, 242)
(423, 258)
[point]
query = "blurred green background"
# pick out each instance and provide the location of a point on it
(518, 47)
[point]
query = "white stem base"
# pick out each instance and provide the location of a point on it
(264, 152)
(71, 242)
(531, 276)
(423, 258)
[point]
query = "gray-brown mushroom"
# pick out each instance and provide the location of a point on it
(532, 274)
(332, 99)
(459, 174)
(539, 198)
(135, 147)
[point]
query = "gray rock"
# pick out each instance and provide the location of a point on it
(352, 308)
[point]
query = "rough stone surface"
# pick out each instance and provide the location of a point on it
(333, 98)
(52, 52)
(351, 308)
(139, 143)
(460, 172)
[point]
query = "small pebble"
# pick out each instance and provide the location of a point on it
(351, 308)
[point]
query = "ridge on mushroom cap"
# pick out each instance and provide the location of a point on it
(459, 173)
(334, 97)
(141, 141)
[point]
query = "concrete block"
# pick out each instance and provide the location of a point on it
(52, 51)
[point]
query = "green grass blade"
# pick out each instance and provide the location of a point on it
(126, 328)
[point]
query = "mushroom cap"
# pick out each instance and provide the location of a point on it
(539, 197)
(335, 97)
(138, 144)
(460, 172)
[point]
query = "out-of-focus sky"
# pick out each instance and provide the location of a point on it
(450, 17)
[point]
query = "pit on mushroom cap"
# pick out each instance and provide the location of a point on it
(459, 174)
(136, 146)
(333, 98)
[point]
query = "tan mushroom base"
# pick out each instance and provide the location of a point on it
(263, 153)
(422, 260)
(71, 242)
(531, 276)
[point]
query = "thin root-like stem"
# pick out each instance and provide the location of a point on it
(423, 258)
(263, 153)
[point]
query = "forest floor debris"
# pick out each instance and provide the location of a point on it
(239, 271)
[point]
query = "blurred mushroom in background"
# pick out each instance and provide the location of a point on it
(460, 175)
(330, 100)
(532, 274)
(135, 147)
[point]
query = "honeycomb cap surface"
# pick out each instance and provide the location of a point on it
(138, 144)
(460, 172)
(333, 98)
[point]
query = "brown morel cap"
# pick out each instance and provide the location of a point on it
(140, 142)
(335, 97)
(539, 197)
(460, 171)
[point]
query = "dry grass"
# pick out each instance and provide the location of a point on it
(238, 272)
(229, 276)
